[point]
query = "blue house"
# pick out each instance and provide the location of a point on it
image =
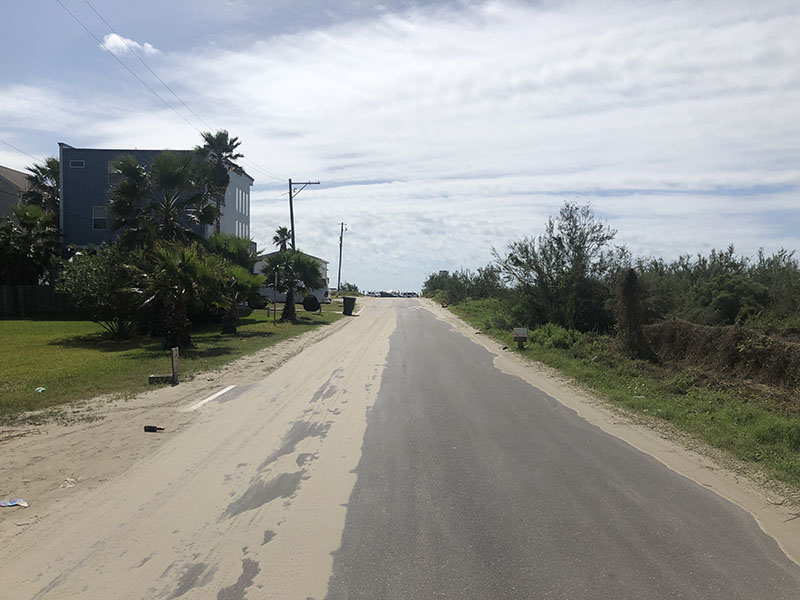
(87, 175)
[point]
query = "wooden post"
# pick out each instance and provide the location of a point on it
(175, 357)
(520, 336)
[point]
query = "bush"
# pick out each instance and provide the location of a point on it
(555, 336)
(104, 286)
(257, 301)
(778, 431)
(680, 384)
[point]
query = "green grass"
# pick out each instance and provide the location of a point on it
(74, 360)
(752, 427)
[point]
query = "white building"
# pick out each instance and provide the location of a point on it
(322, 294)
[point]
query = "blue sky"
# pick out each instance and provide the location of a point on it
(440, 129)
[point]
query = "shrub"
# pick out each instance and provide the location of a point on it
(555, 336)
(680, 384)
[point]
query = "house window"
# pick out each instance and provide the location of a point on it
(99, 217)
(77, 164)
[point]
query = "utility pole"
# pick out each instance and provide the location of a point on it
(343, 228)
(292, 194)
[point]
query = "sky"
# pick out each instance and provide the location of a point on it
(438, 129)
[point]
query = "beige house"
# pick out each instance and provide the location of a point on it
(12, 185)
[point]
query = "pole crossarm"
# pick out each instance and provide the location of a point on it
(292, 194)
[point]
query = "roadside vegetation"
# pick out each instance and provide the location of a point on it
(77, 360)
(706, 343)
(161, 283)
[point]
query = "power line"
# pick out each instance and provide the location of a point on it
(147, 66)
(321, 208)
(21, 151)
(292, 193)
(144, 83)
(127, 68)
(263, 170)
(141, 60)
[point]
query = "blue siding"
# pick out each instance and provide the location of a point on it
(83, 188)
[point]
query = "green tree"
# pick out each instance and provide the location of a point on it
(780, 274)
(487, 283)
(732, 298)
(350, 288)
(282, 237)
(234, 249)
(219, 152)
(105, 287)
(295, 272)
(165, 204)
(565, 273)
(237, 284)
(29, 246)
(44, 188)
(630, 315)
(176, 279)
(463, 284)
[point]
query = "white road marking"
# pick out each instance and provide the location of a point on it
(209, 399)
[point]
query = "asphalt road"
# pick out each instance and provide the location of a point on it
(391, 459)
(473, 484)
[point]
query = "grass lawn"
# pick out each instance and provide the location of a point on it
(753, 426)
(74, 360)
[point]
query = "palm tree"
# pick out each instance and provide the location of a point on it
(237, 285)
(176, 278)
(129, 199)
(293, 269)
(219, 151)
(233, 249)
(282, 237)
(162, 205)
(43, 188)
(29, 247)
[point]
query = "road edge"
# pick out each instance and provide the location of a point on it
(775, 519)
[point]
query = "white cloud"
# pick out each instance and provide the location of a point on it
(678, 121)
(121, 46)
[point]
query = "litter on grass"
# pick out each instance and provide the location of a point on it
(40, 389)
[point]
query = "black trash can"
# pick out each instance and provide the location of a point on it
(349, 305)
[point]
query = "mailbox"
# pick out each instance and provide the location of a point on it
(520, 336)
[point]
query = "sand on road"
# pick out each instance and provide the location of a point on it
(248, 491)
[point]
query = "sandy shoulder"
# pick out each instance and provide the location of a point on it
(54, 464)
(775, 508)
